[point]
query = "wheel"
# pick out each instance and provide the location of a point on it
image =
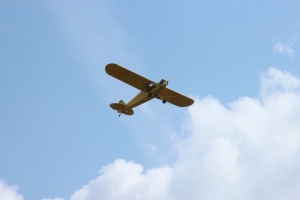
(149, 94)
(164, 101)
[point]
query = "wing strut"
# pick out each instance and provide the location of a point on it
(136, 81)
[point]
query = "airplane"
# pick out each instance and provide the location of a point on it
(148, 90)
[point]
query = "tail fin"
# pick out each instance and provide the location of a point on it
(122, 102)
(121, 108)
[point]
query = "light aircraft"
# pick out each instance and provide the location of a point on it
(148, 90)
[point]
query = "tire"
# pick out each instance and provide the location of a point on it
(164, 101)
(149, 94)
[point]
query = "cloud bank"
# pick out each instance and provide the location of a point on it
(9, 192)
(248, 149)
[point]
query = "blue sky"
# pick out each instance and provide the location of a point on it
(240, 61)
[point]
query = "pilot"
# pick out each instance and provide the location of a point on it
(150, 87)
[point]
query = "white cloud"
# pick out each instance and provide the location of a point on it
(9, 192)
(126, 180)
(247, 150)
(275, 81)
(148, 147)
(53, 199)
(279, 47)
(286, 46)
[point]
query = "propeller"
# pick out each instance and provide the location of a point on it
(162, 81)
(168, 79)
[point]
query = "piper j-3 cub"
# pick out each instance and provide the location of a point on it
(148, 90)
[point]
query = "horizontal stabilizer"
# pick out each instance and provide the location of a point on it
(121, 108)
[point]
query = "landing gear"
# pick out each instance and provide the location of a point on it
(164, 101)
(149, 94)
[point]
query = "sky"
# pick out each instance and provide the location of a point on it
(239, 61)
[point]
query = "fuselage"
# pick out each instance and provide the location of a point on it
(152, 91)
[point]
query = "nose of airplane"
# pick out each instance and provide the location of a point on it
(167, 80)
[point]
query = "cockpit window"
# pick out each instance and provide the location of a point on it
(161, 82)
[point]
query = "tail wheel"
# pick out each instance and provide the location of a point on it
(164, 101)
(149, 94)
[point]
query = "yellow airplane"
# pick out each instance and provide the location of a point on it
(148, 90)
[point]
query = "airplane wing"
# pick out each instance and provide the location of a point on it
(175, 98)
(128, 76)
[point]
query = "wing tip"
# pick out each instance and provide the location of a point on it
(188, 104)
(110, 66)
